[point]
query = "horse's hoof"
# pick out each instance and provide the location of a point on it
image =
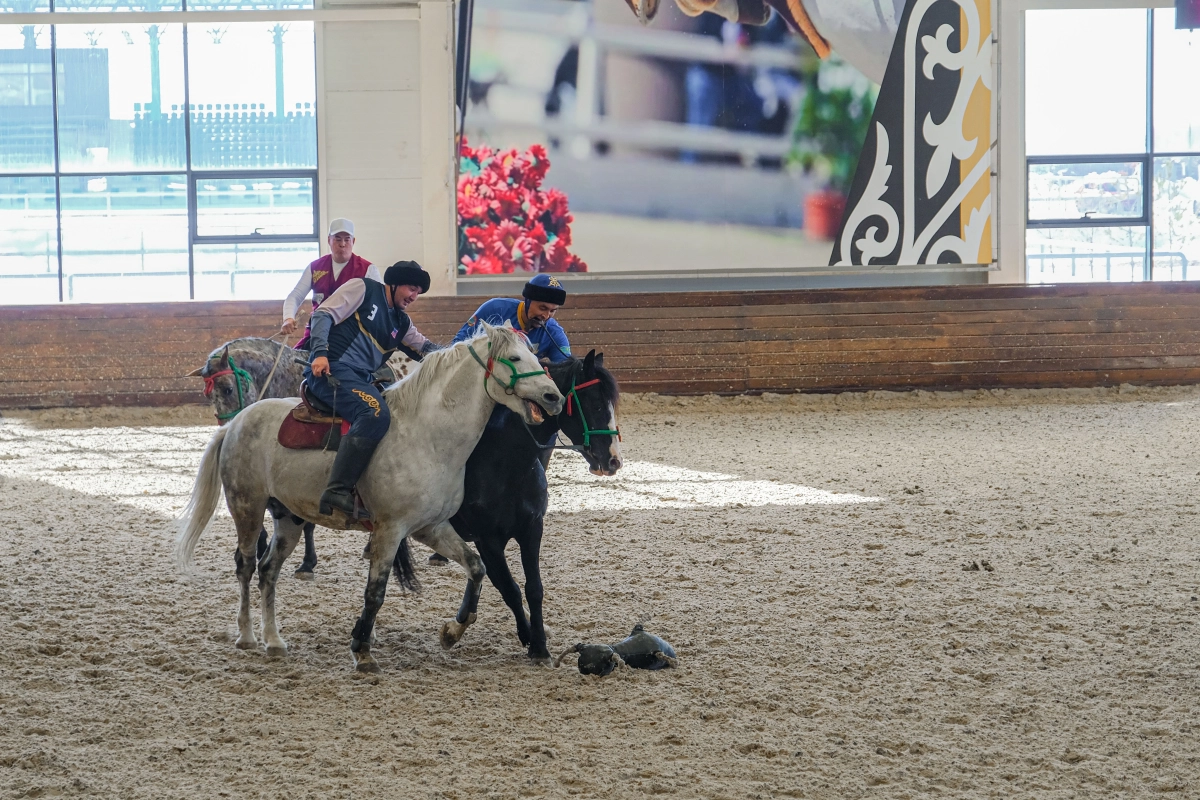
(246, 643)
(305, 574)
(438, 559)
(452, 632)
(363, 662)
(277, 650)
(541, 659)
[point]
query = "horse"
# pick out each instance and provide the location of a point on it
(412, 486)
(244, 370)
(505, 492)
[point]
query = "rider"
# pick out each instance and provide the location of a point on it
(534, 316)
(353, 333)
(326, 275)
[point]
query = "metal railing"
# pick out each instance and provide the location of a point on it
(1074, 257)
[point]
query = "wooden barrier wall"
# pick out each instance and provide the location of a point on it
(954, 337)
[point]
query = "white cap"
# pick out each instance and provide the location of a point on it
(341, 226)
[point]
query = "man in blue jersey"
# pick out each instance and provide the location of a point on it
(533, 316)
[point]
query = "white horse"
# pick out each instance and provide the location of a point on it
(412, 486)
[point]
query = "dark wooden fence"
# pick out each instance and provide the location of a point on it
(953, 337)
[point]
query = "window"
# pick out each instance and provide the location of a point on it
(1113, 155)
(139, 163)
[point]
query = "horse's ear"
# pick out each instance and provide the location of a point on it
(225, 358)
(599, 359)
(196, 373)
(589, 361)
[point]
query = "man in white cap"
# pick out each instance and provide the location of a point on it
(327, 274)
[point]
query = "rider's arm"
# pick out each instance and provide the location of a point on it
(338, 307)
(373, 273)
(471, 326)
(416, 341)
(292, 304)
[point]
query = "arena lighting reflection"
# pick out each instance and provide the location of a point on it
(644, 485)
(153, 469)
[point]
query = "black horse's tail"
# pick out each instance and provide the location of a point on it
(402, 568)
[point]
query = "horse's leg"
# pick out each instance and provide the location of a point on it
(384, 545)
(248, 522)
(443, 539)
(531, 550)
(287, 535)
(492, 553)
(305, 570)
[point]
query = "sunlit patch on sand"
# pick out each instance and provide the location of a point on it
(147, 468)
(646, 485)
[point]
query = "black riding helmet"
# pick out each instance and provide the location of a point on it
(407, 273)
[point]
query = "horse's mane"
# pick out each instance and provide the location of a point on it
(403, 395)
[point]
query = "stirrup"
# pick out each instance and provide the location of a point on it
(360, 512)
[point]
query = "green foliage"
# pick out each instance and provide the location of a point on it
(832, 122)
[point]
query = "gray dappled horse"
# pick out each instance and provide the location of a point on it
(412, 486)
(244, 370)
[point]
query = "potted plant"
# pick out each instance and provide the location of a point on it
(828, 136)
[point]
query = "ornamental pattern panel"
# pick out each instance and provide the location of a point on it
(922, 190)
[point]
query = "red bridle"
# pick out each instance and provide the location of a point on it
(210, 381)
(570, 395)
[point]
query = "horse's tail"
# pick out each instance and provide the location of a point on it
(402, 568)
(203, 502)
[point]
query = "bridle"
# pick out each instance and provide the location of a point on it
(490, 372)
(240, 375)
(588, 432)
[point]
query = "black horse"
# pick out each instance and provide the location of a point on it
(505, 493)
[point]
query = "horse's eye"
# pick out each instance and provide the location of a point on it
(228, 391)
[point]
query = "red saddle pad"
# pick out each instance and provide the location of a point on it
(297, 435)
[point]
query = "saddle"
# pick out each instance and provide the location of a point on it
(312, 425)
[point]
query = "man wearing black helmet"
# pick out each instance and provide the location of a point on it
(354, 332)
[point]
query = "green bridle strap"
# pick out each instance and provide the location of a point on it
(588, 432)
(488, 372)
(239, 375)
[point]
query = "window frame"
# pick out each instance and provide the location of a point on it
(191, 174)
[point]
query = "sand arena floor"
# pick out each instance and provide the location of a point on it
(966, 595)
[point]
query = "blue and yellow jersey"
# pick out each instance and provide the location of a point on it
(549, 341)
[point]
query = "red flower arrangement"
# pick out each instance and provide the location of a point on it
(506, 223)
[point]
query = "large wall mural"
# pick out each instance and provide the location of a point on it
(922, 190)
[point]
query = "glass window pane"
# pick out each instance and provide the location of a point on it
(1085, 191)
(250, 271)
(1085, 82)
(248, 206)
(121, 97)
(253, 94)
(1069, 255)
(117, 5)
(28, 241)
(247, 5)
(26, 110)
(1176, 65)
(125, 238)
(23, 6)
(1177, 218)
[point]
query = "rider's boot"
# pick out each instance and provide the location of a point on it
(353, 455)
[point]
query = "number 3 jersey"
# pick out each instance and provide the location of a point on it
(356, 327)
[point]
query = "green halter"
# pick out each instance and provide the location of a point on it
(239, 376)
(588, 432)
(488, 371)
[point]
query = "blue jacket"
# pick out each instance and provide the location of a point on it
(548, 341)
